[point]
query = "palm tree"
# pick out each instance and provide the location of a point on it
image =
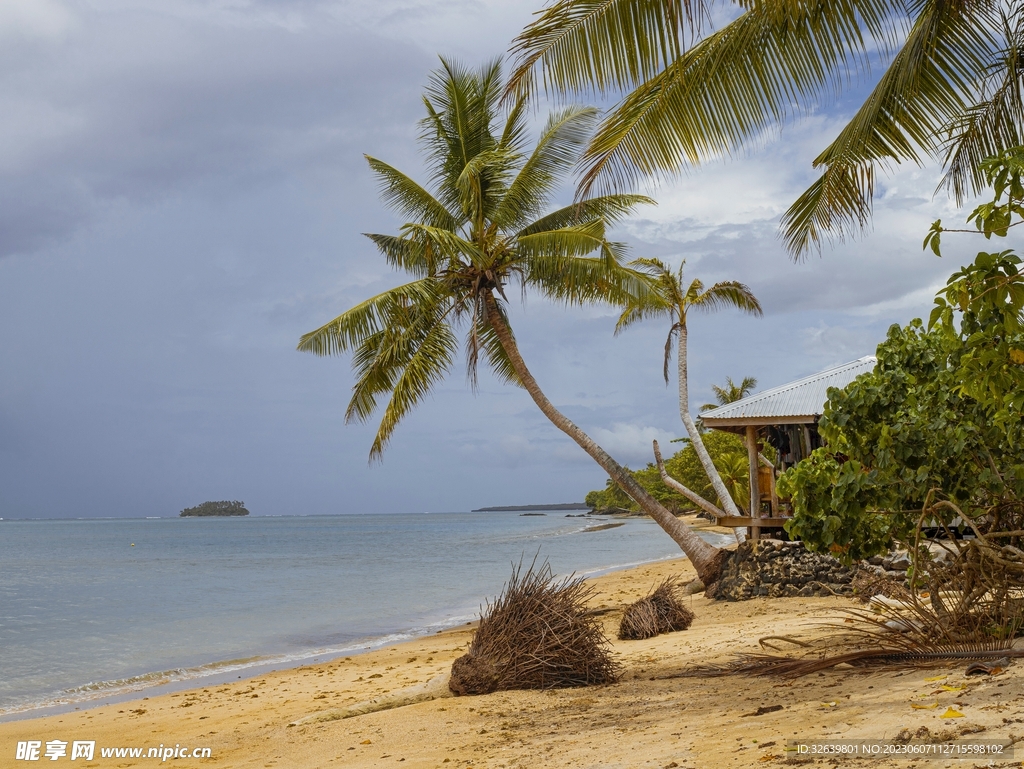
(951, 89)
(480, 229)
(731, 393)
(735, 471)
(673, 298)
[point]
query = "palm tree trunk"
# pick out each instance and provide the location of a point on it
(706, 559)
(672, 483)
(724, 497)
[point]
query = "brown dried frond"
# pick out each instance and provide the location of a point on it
(780, 665)
(661, 611)
(969, 606)
(538, 634)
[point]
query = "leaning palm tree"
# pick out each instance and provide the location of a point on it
(731, 393)
(950, 88)
(480, 229)
(674, 299)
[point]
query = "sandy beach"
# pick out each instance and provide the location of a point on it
(391, 706)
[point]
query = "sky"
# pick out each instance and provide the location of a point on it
(182, 192)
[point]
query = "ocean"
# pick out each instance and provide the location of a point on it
(94, 609)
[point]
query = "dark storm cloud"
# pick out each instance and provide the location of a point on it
(140, 104)
(182, 192)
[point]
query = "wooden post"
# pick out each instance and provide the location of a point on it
(755, 493)
(771, 477)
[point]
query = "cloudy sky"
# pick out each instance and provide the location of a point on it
(182, 192)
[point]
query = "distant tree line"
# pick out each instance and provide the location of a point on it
(727, 452)
(216, 508)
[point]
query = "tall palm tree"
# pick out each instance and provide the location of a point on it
(481, 228)
(731, 393)
(674, 298)
(950, 88)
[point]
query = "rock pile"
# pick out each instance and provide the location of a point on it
(893, 566)
(776, 569)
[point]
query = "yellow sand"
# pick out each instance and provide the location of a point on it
(297, 718)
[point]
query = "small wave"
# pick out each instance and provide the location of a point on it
(604, 526)
(125, 686)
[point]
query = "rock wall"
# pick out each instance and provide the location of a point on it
(776, 569)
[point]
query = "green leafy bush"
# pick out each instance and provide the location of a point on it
(938, 419)
(727, 452)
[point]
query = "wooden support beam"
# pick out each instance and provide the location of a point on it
(738, 522)
(755, 493)
(774, 493)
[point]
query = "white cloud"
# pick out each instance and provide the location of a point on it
(630, 443)
(35, 19)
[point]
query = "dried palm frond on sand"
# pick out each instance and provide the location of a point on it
(538, 634)
(659, 612)
(969, 607)
(781, 665)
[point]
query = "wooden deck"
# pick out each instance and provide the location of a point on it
(738, 522)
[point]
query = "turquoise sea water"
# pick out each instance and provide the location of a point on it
(95, 608)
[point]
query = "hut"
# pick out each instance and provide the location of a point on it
(786, 417)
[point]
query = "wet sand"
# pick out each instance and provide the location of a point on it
(391, 707)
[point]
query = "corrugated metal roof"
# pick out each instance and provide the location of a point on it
(803, 398)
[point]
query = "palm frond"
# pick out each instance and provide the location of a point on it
(461, 106)
(673, 332)
(408, 198)
(497, 357)
(727, 293)
(993, 124)
(380, 358)
(721, 393)
(429, 362)
(794, 667)
(516, 130)
(636, 312)
(564, 135)
(413, 256)
(445, 245)
(580, 280)
(609, 208)
(580, 45)
(576, 240)
(483, 181)
(923, 89)
(659, 301)
(840, 201)
(350, 328)
(775, 61)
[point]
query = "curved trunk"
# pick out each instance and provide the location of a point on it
(724, 497)
(707, 559)
(672, 483)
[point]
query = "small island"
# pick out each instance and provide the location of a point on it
(215, 508)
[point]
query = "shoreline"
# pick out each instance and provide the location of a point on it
(391, 705)
(92, 695)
